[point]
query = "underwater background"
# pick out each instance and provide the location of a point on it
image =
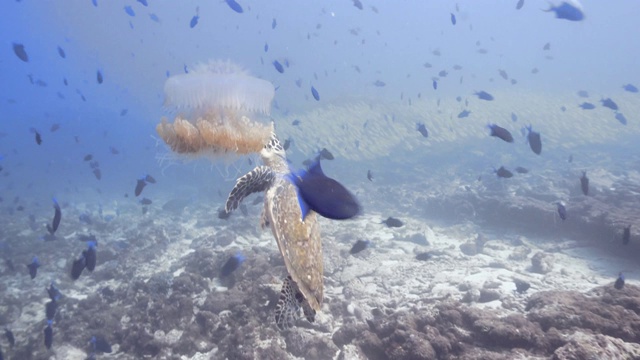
(83, 92)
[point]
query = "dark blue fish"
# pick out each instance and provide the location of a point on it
(453, 19)
(61, 52)
(608, 103)
(626, 235)
(234, 6)
(503, 173)
(630, 88)
(90, 255)
(20, 52)
(514, 117)
(10, 338)
(562, 211)
(33, 267)
(534, 140)
(278, 66)
(154, 18)
(143, 2)
(587, 106)
(326, 154)
(194, 21)
(274, 23)
(48, 335)
(584, 183)
(359, 246)
(521, 170)
(95, 3)
(567, 11)
(483, 95)
(500, 132)
(315, 94)
(435, 85)
(54, 293)
(38, 137)
(78, 266)
(619, 284)
(100, 344)
(99, 77)
(583, 93)
(464, 114)
(266, 47)
(139, 186)
(150, 179)
(443, 73)
(379, 83)
(50, 309)
(369, 175)
(57, 216)
(520, 4)
(129, 10)
(322, 194)
(358, 4)
(232, 264)
(393, 222)
(422, 129)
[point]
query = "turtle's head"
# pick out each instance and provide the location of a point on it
(272, 149)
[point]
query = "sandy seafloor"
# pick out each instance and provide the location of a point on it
(156, 292)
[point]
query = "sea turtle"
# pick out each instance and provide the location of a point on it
(298, 240)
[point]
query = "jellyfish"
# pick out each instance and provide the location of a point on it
(218, 109)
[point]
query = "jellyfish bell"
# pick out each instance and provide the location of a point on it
(218, 109)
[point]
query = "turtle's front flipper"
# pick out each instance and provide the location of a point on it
(257, 180)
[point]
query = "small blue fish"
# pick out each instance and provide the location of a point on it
(583, 93)
(568, 11)
(140, 184)
(587, 106)
(500, 132)
(54, 292)
(453, 19)
(194, 21)
(503, 173)
(232, 264)
(266, 47)
(464, 114)
(234, 6)
(61, 52)
(99, 77)
(620, 117)
(48, 335)
(534, 140)
(33, 267)
(562, 211)
(483, 95)
(619, 284)
(315, 94)
(608, 103)
(278, 66)
(90, 255)
(20, 52)
(322, 194)
(630, 88)
(56, 218)
(143, 2)
(154, 18)
(274, 23)
(95, 3)
(359, 246)
(129, 10)
(435, 85)
(520, 4)
(514, 117)
(422, 130)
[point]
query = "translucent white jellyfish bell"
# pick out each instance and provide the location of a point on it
(218, 85)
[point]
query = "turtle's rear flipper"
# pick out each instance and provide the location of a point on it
(289, 304)
(257, 180)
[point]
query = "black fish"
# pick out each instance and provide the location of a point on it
(10, 338)
(534, 140)
(77, 267)
(315, 94)
(99, 77)
(503, 173)
(61, 52)
(393, 222)
(322, 194)
(435, 84)
(113, 150)
(20, 52)
(562, 211)
(100, 344)
(274, 23)
(234, 6)
(357, 4)
(194, 21)
(222, 214)
(621, 118)
(90, 255)
(369, 175)
(57, 216)
(453, 19)
(287, 144)
(150, 179)
(379, 83)
(483, 95)
(503, 74)
(38, 137)
(88, 157)
(326, 154)
(145, 201)
(608, 103)
(266, 47)
(547, 47)
(278, 66)
(424, 256)
(521, 170)
(464, 114)
(54, 127)
(50, 309)
(48, 335)
(501, 133)
(359, 246)
(567, 11)
(139, 186)
(520, 4)
(584, 183)
(619, 284)
(521, 286)
(97, 173)
(630, 88)
(626, 235)
(422, 129)
(232, 264)
(33, 267)
(54, 293)
(295, 122)
(587, 106)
